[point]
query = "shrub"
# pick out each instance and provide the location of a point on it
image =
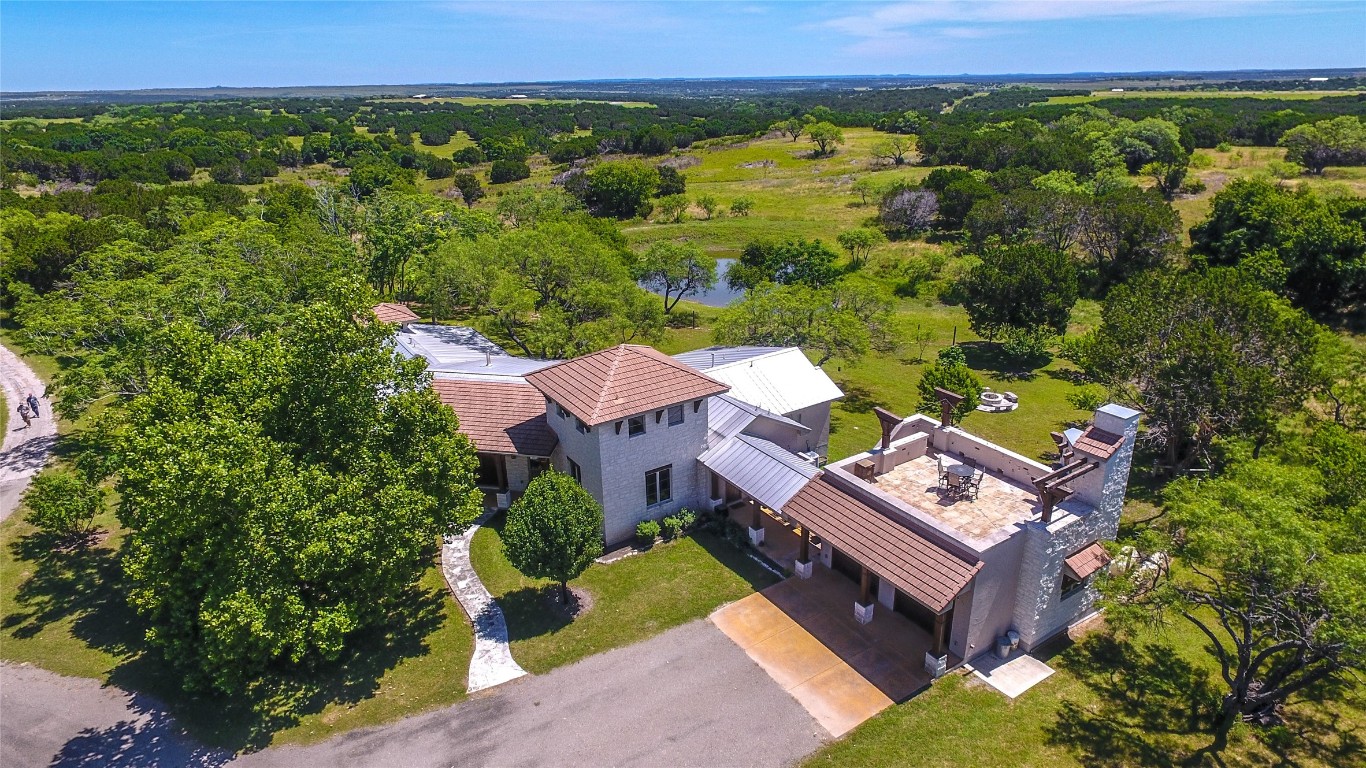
(646, 532)
(1192, 187)
(1025, 343)
(1087, 398)
(468, 156)
(554, 530)
(686, 518)
(504, 171)
(1224, 146)
(63, 503)
(671, 526)
(741, 206)
(440, 168)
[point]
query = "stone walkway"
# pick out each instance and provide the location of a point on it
(492, 663)
(24, 451)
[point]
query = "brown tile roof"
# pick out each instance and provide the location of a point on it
(388, 312)
(1098, 442)
(499, 416)
(1087, 561)
(622, 381)
(888, 547)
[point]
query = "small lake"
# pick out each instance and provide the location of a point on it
(721, 295)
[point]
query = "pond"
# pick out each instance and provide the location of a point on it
(720, 295)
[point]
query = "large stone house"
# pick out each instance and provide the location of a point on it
(968, 539)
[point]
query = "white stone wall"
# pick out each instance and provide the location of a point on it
(518, 473)
(581, 448)
(625, 460)
(1040, 609)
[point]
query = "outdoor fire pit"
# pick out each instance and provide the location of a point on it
(998, 402)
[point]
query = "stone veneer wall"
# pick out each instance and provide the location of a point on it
(625, 460)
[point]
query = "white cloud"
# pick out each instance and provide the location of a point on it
(882, 20)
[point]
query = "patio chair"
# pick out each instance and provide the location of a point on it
(943, 473)
(973, 486)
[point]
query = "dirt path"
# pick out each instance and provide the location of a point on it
(24, 451)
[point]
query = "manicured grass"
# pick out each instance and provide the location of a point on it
(633, 599)
(1111, 702)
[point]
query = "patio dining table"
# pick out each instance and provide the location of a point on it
(958, 474)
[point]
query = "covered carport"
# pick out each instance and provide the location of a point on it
(876, 548)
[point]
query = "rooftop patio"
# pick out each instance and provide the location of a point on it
(999, 501)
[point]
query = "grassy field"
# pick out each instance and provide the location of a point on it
(1111, 702)
(1107, 94)
(632, 599)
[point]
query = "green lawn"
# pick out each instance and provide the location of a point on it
(633, 599)
(1111, 702)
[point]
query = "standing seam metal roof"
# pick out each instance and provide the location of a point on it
(759, 468)
(926, 571)
(778, 380)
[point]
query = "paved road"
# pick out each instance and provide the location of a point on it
(24, 451)
(688, 697)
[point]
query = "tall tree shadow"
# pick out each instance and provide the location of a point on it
(986, 356)
(1149, 703)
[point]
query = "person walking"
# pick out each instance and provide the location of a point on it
(33, 405)
(24, 414)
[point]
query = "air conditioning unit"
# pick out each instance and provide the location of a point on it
(811, 457)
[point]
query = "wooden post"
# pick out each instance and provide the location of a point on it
(940, 622)
(757, 521)
(864, 585)
(805, 555)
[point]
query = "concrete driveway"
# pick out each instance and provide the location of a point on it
(803, 633)
(688, 697)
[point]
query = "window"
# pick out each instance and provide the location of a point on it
(1071, 586)
(657, 490)
(575, 472)
(581, 427)
(675, 415)
(635, 426)
(560, 411)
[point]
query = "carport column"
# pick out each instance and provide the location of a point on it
(863, 609)
(936, 661)
(756, 526)
(804, 555)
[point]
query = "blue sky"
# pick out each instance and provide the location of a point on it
(115, 45)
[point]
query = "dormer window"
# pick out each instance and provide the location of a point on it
(635, 426)
(675, 415)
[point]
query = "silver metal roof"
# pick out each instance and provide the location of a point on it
(778, 380)
(727, 417)
(759, 468)
(702, 359)
(453, 350)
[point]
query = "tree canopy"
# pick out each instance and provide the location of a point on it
(675, 270)
(281, 492)
(1022, 287)
(554, 530)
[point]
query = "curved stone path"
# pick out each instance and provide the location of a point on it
(492, 662)
(24, 451)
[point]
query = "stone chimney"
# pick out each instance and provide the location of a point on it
(1109, 441)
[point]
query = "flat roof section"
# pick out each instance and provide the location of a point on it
(1000, 502)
